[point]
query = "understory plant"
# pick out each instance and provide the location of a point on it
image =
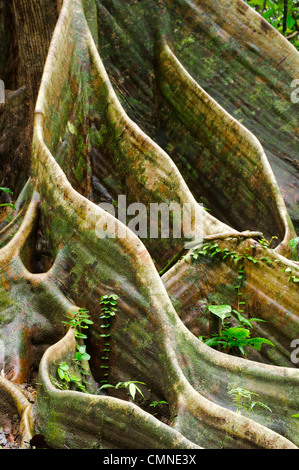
(234, 329)
(67, 377)
(242, 399)
(108, 305)
(130, 385)
(293, 244)
(232, 338)
(156, 403)
(78, 320)
(7, 204)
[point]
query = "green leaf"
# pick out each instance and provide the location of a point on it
(71, 128)
(256, 343)
(80, 335)
(236, 332)
(293, 244)
(106, 386)
(60, 373)
(85, 357)
(8, 204)
(221, 311)
(290, 21)
(6, 190)
(242, 319)
(258, 403)
(132, 390)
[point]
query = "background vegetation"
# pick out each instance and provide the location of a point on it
(282, 14)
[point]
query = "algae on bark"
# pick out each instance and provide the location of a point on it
(128, 106)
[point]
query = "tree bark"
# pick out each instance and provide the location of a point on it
(120, 104)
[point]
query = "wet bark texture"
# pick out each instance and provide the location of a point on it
(164, 102)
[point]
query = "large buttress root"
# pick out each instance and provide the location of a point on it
(87, 150)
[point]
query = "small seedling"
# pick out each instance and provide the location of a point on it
(108, 305)
(235, 336)
(80, 320)
(67, 377)
(156, 403)
(243, 399)
(265, 243)
(81, 354)
(293, 244)
(130, 386)
(7, 204)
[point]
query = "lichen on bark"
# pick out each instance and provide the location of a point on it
(128, 104)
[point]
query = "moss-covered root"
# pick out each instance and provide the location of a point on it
(110, 422)
(24, 410)
(82, 420)
(232, 149)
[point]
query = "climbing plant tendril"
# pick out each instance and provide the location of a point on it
(167, 101)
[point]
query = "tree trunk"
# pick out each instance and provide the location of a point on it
(143, 100)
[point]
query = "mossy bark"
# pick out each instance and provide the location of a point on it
(118, 113)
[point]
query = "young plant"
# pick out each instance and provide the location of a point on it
(67, 378)
(293, 244)
(81, 354)
(265, 243)
(7, 204)
(108, 306)
(130, 386)
(243, 399)
(235, 337)
(156, 403)
(80, 320)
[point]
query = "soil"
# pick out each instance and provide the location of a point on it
(10, 421)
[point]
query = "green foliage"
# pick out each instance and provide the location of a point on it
(80, 320)
(156, 403)
(7, 204)
(108, 305)
(265, 243)
(231, 338)
(130, 386)
(295, 416)
(293, 244)
(243, 399)
(67, 378)
(285, 20)
(214, 252)
(236, 337)
(292, 277)
(81, 354)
